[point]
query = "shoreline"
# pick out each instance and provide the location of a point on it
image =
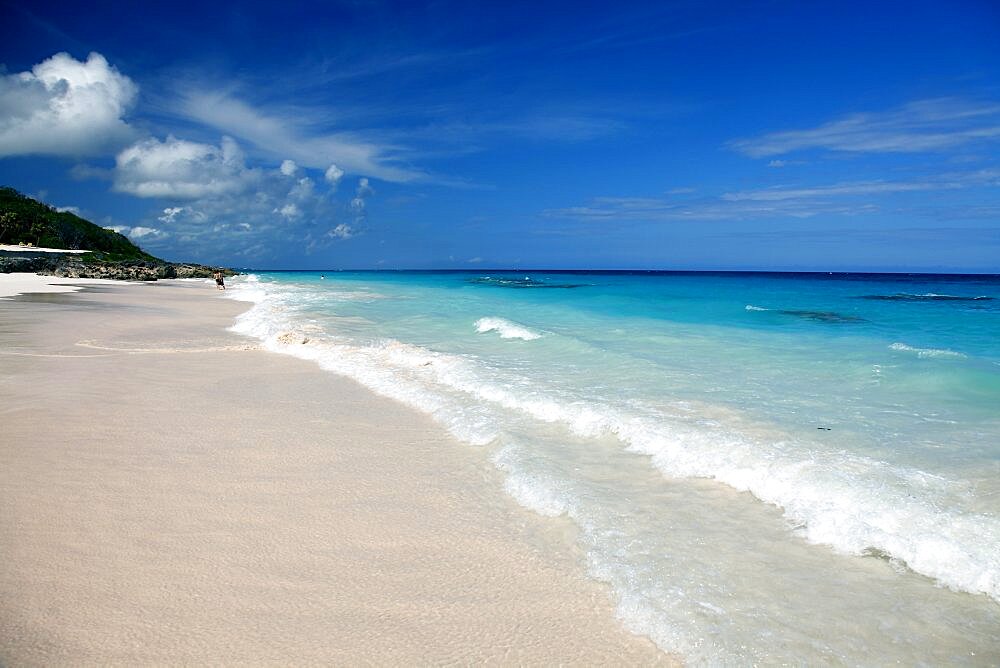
(173, 493)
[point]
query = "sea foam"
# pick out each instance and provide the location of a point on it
(926, 352)
(506, 329)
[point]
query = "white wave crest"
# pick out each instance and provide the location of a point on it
(751, 307)
(506, 329)
(246, 289)
(927, 352)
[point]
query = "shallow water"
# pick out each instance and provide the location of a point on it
(766, 468)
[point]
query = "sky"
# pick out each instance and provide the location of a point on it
(780, 135)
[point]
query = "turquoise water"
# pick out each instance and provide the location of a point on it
(765, 468)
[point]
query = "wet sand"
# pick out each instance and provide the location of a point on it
(172, 494)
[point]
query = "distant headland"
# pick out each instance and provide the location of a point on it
(36, 237)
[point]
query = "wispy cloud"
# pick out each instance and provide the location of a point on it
(631, 209)
(297, 135)
(950, 181)
(845, 198)
(925, 125)
(459, 137)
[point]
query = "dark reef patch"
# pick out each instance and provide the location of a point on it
(522, 283)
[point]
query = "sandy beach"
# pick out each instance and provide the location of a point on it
(172, 494)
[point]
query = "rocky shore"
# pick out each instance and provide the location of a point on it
(75, 266)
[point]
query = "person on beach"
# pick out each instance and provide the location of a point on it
(220, 282)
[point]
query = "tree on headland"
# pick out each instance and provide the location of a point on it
(9, 227)
(36, 230)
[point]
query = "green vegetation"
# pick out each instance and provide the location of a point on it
(24, 220)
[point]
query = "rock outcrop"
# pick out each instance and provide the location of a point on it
(73, 266)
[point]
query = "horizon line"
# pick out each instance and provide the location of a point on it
(824, 272)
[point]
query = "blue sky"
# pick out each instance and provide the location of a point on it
(671, 135)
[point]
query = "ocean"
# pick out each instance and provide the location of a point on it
(765, 468)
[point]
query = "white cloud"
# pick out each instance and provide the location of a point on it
(293, 133)
(222, 207)
(334, 174)
(65, 107)
(175, 214)
(75, 210)
(989, 178)
(925, 125)
(858, 188)
(303, 189)
(181, 169)
(777, 163)
(364, 188)
(141, 232)
(363, 192)
(288, 167)
(845, 198)
(289, 211)
(342, 231)
(170, 213)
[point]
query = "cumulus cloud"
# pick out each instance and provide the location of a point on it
(140, 232)
(170, 213)
(174, 213)
(65, 107)
(303, 189)
(220, 206)
(364, 188)
(288, 167)
(363, 192)
(289, 211)
(342, 231)
(334, 174)
(181, 169)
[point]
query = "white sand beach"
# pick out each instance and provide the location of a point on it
(17, 248)
(18, 284)
(172, 494)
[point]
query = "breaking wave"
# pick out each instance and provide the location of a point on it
(506, 329)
